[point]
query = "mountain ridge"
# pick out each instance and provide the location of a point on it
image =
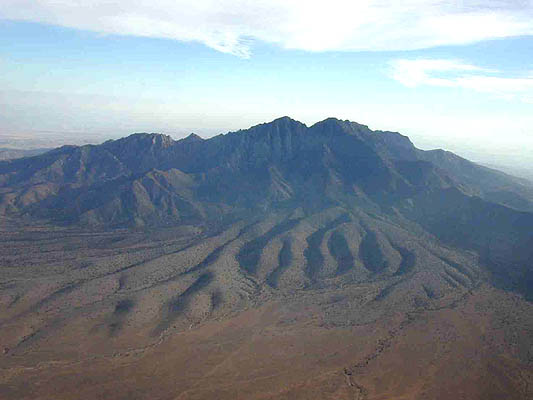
(274, 234)
(377, 162)
(149, 180)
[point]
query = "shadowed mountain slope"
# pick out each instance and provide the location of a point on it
(281, 167)
(150, 179)
(339, 245)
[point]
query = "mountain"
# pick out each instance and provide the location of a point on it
(150, 179)
(301, 262)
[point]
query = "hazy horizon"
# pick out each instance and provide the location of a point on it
(429, 70)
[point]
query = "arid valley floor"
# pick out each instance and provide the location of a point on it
(91, 329)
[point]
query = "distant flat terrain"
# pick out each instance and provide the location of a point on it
(11, 154)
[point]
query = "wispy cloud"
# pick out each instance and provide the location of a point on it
(231, 26)
(455, 73)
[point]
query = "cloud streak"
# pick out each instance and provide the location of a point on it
(456, 74)
(231, 26)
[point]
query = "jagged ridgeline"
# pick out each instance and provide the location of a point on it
(282, 207)
(152, 180)
(328, 262)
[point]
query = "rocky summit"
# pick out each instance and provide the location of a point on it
(278, 262)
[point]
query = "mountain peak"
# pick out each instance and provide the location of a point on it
(193, 137)
(329, 120)
(339, 122)
(335, 126)
(284, 121)
(285, 118)
(281, 126)
(150, 138)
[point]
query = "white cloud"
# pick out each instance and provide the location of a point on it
(231, 26)
(454, 73)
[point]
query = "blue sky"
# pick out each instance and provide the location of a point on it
(458, 77)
